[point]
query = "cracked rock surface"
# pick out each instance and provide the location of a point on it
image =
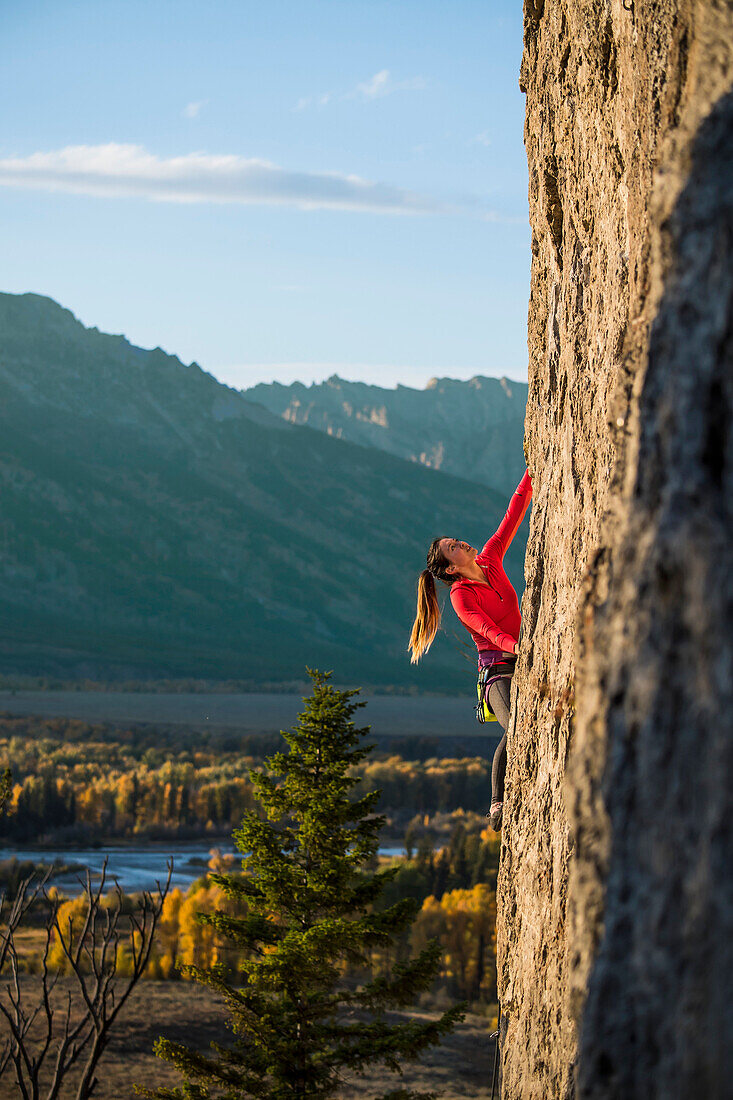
(615, 904)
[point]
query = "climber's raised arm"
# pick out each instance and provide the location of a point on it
(515, 513)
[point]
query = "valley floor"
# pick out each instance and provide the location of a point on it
(459, 1068)
(388, 715)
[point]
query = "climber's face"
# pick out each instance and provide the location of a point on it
(461, 555)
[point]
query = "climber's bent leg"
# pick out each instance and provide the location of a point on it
(498, 771)
(499, 703)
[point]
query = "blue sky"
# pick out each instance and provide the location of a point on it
(277, 190)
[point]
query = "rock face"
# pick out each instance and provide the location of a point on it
(615, 908)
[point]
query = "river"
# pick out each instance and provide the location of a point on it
(134, 867)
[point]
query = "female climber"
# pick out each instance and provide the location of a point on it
(485, 601)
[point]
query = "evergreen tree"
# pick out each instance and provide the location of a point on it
(307, 897)
(6, 783)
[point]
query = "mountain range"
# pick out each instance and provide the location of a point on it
(156, 523)
(473, 429)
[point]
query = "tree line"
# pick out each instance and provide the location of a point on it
(453, 889)
(78, 790)
(311, 939)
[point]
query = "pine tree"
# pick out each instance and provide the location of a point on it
(6, 783)
(307, 897)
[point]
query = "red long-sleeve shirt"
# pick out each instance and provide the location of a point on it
(491, 611)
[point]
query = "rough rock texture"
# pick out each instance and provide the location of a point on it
(615, 901)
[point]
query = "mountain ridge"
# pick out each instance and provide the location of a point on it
(473, 429)
(158, 524)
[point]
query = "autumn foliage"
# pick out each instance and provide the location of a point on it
(72, 782)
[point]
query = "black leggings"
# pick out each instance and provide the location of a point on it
(499, 702)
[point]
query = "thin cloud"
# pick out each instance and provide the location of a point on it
(376, 87)
(193, 110)
(313, 101)
(382, 84)
(484, 138)
(130, 171)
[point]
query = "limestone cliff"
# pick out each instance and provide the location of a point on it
(615, 926)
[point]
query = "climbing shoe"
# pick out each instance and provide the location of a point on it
(494, 816)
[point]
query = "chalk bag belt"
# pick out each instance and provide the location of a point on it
(487, 677)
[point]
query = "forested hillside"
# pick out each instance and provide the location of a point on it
(156, 523)
(76, 783)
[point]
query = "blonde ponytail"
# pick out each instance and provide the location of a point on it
(427, 619)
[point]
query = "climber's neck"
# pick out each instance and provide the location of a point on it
(473, 572)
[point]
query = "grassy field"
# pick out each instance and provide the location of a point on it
(461, 1067)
